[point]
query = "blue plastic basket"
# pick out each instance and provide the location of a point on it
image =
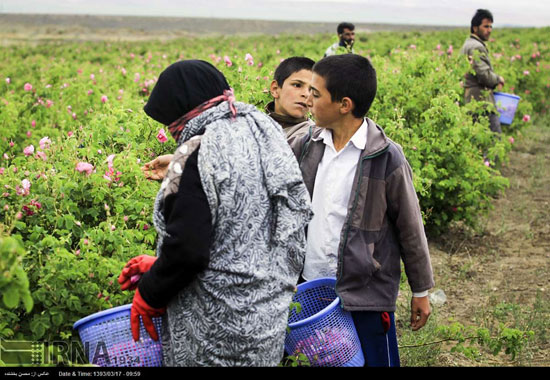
(322, 330)
(507, 105)
(107, 340)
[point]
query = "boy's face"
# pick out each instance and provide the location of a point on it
(324, 110)
(291, 98)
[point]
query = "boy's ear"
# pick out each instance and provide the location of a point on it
(346, 105)
(274, 89)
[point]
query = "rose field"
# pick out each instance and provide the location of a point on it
(75, 205)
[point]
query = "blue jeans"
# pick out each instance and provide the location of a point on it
(379, 348)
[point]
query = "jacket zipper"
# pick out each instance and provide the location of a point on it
(341, 252)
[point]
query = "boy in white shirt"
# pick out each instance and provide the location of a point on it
(366, 211)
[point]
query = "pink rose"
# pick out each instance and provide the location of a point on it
(42, 155)
(24, 189)
(511, 139)
(44, 142)
(110, 160)
(2, 170)
(27, 87)
(29, 150)
(526, 72)
(526, 118)
(84, 167)
(26, 184)
(104, 99)
(8, 80)
(227, 61)
(161, 136)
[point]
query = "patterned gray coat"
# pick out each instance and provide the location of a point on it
(235, 313)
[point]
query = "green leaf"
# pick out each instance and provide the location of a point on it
(11, 297)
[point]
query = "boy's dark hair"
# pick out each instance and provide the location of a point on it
(480, 15)
(344, 25)
(349, 75)
(290, 66)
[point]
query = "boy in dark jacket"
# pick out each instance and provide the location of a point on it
(366, 212)
(290, 90)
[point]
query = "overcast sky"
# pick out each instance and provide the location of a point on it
(427, 12)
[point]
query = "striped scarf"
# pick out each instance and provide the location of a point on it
(177, 127)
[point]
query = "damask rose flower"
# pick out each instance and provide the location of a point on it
(45, 142)
(161, 136)
(42, 155)
(109, 160)
(28, 150)
(27, 87)
(84, 167)
(526, 118)
(24, 189)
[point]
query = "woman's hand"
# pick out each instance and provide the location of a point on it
(133, 270)
(156, 169)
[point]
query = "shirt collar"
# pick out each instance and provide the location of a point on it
(475, 36)
(359, 138)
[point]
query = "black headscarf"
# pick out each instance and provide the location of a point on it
(183, 86)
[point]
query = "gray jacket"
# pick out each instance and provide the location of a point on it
(479, 86)
(383, 225)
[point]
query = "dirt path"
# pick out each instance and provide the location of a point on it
(502, 274)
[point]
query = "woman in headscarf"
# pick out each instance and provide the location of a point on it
(231, 216)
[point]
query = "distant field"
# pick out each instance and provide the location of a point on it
(17, 27)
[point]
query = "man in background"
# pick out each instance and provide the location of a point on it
(346, 38)
(480, 86)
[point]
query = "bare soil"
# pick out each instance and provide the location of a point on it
(508, 262)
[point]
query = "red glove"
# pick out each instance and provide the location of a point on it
(133, 270)
(141, 308)
(386, 322)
